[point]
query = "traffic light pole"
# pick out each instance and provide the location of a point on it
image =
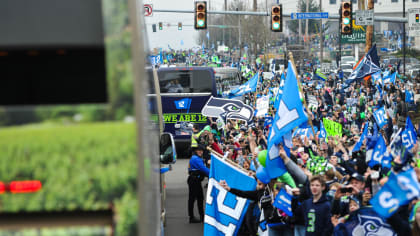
(251, 13)
(369, 29)
(403, 39)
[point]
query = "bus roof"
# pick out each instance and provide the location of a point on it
(225, 70)
(181, 68)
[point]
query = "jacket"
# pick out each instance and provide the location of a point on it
(197, 168)
(317, 216)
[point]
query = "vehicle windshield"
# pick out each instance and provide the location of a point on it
(346, 67)
(185, 81)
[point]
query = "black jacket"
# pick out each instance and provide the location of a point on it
(317, 216)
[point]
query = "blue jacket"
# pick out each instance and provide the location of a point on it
(317, 216)
(197, 164)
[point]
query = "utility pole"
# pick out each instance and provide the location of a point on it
(254, 8)
(300, 30)
(208, 30)
(321, 40)
(306, 26)
(224, 23)
(403, 39)
(239, 32)
(369, 29)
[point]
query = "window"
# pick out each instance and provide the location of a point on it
(333, 2)
(354, 1)
(184, 81)
(415, 0)
(394, 0)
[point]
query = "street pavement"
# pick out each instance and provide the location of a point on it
(177, 201)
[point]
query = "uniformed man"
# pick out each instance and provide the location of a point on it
(197, 170)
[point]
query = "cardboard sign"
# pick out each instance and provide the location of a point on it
(333, 128)
(262, 106)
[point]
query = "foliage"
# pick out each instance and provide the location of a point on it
(313, 24)
(85, 166)
(409, 52)
(119, 78)
(254, 30)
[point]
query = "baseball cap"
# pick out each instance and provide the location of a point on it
(200, 147)
(355, 200)
(357, 176)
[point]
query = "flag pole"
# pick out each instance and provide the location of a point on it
(304, 100)
(256, 90)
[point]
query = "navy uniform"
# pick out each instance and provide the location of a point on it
(197, 170)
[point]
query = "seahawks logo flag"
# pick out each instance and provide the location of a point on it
(228, 109)
(368, 65)
(363, 222)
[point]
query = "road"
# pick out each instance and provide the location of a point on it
(176, 203)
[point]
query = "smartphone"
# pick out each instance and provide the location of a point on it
(346, 190)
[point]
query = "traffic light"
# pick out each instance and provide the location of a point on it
(160, 26)
(154, 27)
(25, 186)
(179, 26)
(346, 18)
(200, 19)
(276, 18)
(417, 18)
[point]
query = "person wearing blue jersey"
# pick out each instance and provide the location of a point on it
(316, 210)
(197, 170)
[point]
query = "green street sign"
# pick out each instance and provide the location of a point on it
(358, 35)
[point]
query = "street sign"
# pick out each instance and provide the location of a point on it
(414, 22)
(364, 17)
(148, 9)
(309, 15)
(326, 67)
(358, 35)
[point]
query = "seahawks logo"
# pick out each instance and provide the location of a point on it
(228, 109)
(372, 226)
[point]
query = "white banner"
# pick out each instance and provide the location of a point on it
(262, 106)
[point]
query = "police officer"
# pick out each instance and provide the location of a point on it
(197, 170)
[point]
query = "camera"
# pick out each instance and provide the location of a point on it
(346, 190)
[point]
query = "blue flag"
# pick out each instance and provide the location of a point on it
(289, 115)
(323, 132)
(398, 191)
(377, 77)
(380, 117)
(378, 152)
(364, 221)
(268, 120)
(283, 202)
(409, 96)
(386, 163)
(360, 142)
(390, 78)
(305, 132)
(249, 86)
(409, 138)
(224, 210)
(368, 65)
(280, 92)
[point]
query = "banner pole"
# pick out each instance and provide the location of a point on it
(304, 100)
(256, 90)
(227, 160)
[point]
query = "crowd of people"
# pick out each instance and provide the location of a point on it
(328, 178)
